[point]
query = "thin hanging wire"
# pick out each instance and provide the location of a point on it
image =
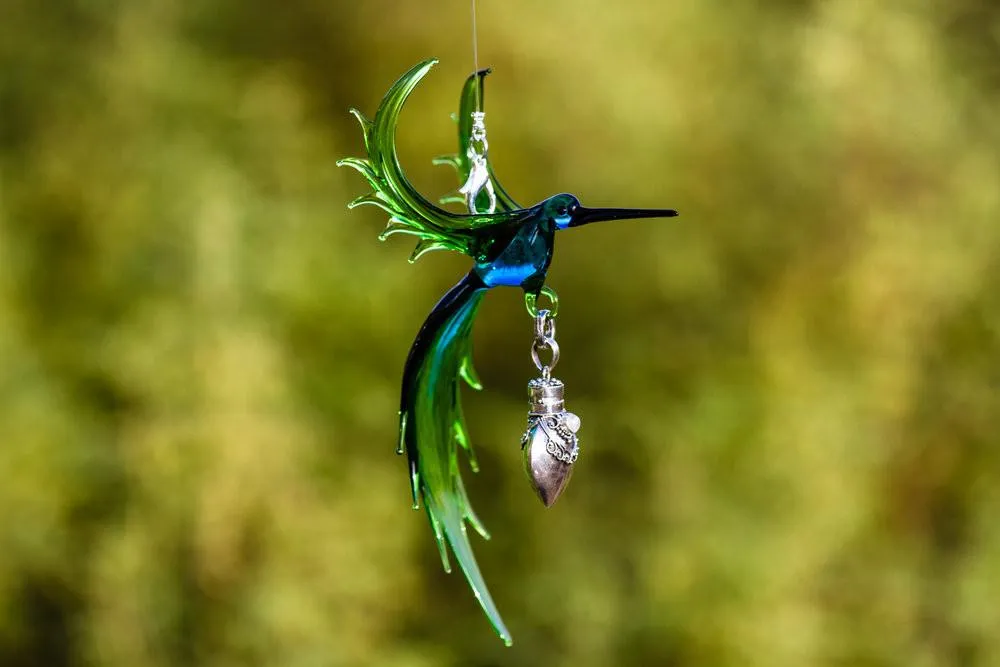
(475, 56)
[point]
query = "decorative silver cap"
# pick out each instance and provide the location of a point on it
(545, 397)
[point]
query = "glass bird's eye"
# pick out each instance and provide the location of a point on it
(561, 210)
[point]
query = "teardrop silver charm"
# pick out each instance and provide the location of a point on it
(550, 446)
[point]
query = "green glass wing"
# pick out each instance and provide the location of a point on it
(409, 212)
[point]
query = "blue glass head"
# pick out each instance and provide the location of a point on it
(565, 211)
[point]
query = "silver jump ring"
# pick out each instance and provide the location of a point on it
(540, 344)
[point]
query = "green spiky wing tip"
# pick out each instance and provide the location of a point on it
(386, 199)
(391, 191)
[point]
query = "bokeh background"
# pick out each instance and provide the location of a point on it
(790, 394)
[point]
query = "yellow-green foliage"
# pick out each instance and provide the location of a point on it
(790, 394)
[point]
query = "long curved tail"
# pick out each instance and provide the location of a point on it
(432, 428)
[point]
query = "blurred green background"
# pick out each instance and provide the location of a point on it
(790, 394)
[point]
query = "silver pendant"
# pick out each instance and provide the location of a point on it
(549, 447)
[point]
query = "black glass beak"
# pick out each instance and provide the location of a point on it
(585, 216)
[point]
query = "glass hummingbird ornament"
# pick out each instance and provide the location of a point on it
(510, 247)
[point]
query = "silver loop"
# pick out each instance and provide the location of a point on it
(545, 325)
(545, 336)
(540, 344)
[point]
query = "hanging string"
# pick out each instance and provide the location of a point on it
(478, 178)
(475, 56)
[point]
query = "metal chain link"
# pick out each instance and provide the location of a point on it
(545, 339)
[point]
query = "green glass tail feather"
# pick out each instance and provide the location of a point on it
(510, 248)
(432, 430)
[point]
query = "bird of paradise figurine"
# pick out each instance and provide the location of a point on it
(510, 247)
